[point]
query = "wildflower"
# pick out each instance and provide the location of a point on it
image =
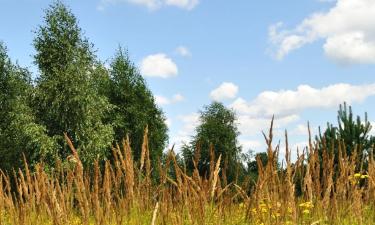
(254, 210)
(364, 176)
(357, 175)
(306, 211)
(307, 205)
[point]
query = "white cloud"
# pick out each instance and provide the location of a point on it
(250, 144)
(189, 123)
(250, 125)
(184, 4)
(225, 91)
(152, 4)
(168, 122)
(286, 102)
(255, 115)
(158, 65)
(347, 29)
(161, 100)
(301, 129)
(183, 51)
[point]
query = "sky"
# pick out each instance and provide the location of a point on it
(297, 60)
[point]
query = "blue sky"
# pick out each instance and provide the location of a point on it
(295, 59)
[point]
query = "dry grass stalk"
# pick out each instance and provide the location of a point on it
(215, 178)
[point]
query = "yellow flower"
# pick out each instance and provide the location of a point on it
(307, 205)
(364, 176)
(357, 175)
(306, 211)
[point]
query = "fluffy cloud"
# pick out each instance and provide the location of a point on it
(348, 32)
(255, 115)
(250, 125)
(158, 65)
(190, 122)
(184, 4)
(161, 100)
(153, 4)
(250, 144)
(183, 51)
(225, 91)
(287, 102)
(168, 122)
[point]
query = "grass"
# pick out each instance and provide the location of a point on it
(122, 192)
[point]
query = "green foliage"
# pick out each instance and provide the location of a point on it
(19, 132)
(217, 128)
(352, 132)
(67, 98)
(134, 108)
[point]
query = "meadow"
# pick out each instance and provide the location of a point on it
(121, 191)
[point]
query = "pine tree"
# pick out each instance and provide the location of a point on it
(351, 131)
(67, 99)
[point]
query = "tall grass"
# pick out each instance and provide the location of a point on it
(122, 192)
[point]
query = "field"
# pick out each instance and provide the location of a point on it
(123, 192)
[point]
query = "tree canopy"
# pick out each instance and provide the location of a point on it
(19, 133)
(134, 107)
(217, 130)
(66, 99)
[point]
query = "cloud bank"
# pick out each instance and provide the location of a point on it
(347, 30)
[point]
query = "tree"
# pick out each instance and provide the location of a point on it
(353, 132)
(67, 99)
(134, 108)
(19, 133)
(218, 130)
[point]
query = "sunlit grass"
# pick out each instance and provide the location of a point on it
(123, 192)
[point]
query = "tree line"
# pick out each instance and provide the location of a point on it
(74, 94)
(97, 107)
